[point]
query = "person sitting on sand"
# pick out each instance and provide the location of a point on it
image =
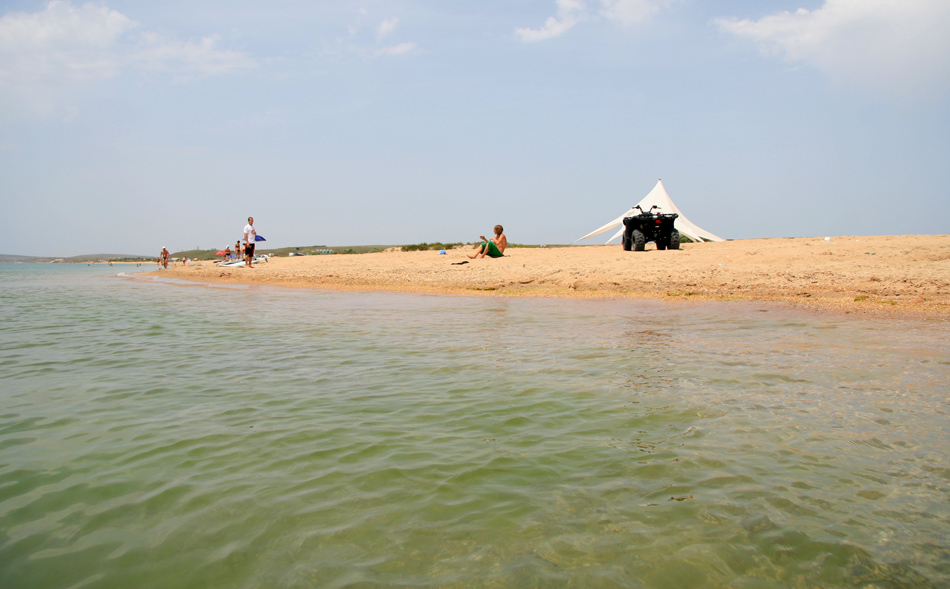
(494, 247)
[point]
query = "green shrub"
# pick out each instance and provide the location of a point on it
(429, 246)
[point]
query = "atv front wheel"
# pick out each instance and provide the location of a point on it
(639, 240)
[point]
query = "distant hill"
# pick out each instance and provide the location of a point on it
(12, 259)
(8, 259)
(113, 257)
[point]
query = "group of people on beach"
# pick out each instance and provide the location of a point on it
(493, 248)
(226, 252)
(246, 250)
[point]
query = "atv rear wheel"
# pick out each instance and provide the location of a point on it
(626, 241)
(674, 240)
(639, 240)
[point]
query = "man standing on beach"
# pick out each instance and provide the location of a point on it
(249, 241)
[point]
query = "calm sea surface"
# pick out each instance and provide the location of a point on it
(157, 434)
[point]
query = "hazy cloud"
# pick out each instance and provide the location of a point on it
(62, 42)
(45, 53)
(569, 13)
(572, 12)
(386, 27)
(360, 43)
(898, 47)
(401, 49)
(187, 58)
(629, 12)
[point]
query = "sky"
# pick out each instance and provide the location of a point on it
(128, 125)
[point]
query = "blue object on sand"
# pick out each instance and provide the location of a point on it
(441, 252)
(259, 238)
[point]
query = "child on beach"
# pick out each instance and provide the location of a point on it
(494, 247)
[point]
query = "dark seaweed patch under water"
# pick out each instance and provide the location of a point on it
(155, 434)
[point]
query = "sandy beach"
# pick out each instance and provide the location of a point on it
(908, 274)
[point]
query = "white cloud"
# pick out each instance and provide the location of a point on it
(386, 27)
(572, 12)
(898, 47)
(569, 13)
(45, 54)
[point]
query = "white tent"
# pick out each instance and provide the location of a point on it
(660, 198)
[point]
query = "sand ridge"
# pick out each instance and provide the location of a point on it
(907, 274)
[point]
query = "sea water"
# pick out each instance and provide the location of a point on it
(160, 434)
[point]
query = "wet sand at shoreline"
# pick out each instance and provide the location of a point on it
(907, 274)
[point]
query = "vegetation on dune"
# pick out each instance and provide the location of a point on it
(447, 246)
(430, 246)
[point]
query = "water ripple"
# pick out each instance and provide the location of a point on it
(151, 436)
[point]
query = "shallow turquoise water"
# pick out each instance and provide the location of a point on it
(156, 434)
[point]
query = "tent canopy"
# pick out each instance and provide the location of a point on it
(661, 199)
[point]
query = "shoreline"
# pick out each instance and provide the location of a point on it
(889, 275)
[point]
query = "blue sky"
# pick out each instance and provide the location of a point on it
(126, 125)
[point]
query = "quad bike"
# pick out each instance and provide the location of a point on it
(650, 226)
